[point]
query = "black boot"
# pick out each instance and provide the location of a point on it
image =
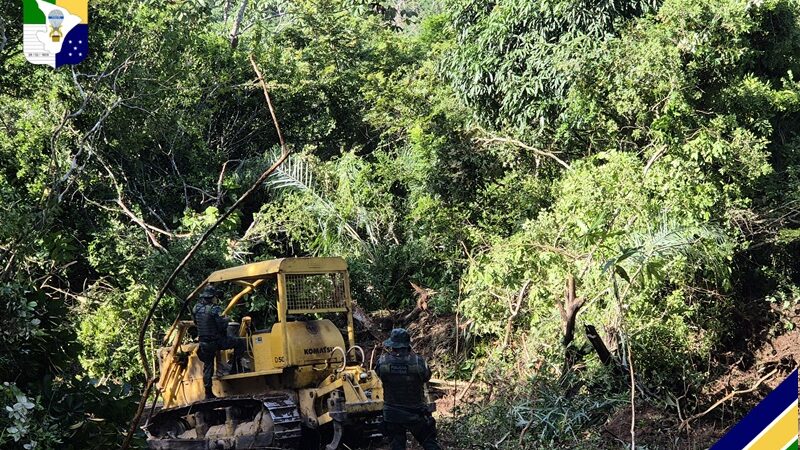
(210, 393)
(236, 366)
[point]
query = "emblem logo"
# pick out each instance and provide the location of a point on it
(55, 32)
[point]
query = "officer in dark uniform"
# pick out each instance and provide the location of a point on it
(212, 330)
(404, 375)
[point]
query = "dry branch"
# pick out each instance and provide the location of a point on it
(147, 228)
(423, 294)
(467, 386)
(438, 383)
(685, 423)
(221, 178)
(524, 430)
(514, 312)
(360, 315)
(654, 158)
(520, 144)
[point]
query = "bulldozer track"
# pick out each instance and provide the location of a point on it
(286, 419)
(281, 407)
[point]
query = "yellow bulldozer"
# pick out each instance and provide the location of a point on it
(300, 377)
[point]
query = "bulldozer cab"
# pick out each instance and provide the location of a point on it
(307, 289)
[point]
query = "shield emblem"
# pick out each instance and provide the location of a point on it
(56, 32)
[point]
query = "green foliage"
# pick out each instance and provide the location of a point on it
(679, 114)
(604, 216)
(425, 139)
(20, 427)
(64, 415)
(516, 59)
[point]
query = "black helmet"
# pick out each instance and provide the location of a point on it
(399, 338)
(209, 293)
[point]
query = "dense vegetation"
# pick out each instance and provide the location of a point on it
(486, 150)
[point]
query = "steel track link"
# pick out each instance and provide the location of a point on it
(281, 407)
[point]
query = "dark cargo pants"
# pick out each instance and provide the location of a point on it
(207, 353)
(423, 430)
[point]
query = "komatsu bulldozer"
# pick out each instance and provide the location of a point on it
(300, 375)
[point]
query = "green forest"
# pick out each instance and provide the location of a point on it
(550, 173)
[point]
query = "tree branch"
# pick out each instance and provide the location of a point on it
(569, 310)
(654, 158)
(599, 346)
(221, 178)
(226, 9)
(514, 312)
(685, 423)
(147, 228)
(520, 144)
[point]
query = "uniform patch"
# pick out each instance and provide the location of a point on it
(398, 369)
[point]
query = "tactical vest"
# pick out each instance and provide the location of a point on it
(205, 321)
(403, 379)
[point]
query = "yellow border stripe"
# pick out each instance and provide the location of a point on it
(782, 432)
(79, 8)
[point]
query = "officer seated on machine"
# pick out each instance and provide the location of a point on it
(212, 331)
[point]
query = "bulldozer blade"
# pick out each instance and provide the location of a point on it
(337, 436)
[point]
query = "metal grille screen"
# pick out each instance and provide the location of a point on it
(318, 291)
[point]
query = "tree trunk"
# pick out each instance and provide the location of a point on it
(3, 39)
(226, 10)
(236, 24)
(569, 309)
(513, 311)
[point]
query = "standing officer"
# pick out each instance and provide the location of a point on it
(212, 330)
(404, 375)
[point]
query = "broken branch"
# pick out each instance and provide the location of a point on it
(514, 310)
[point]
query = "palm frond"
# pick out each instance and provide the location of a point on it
(297, 174)
(294, 173)
(669, 239)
